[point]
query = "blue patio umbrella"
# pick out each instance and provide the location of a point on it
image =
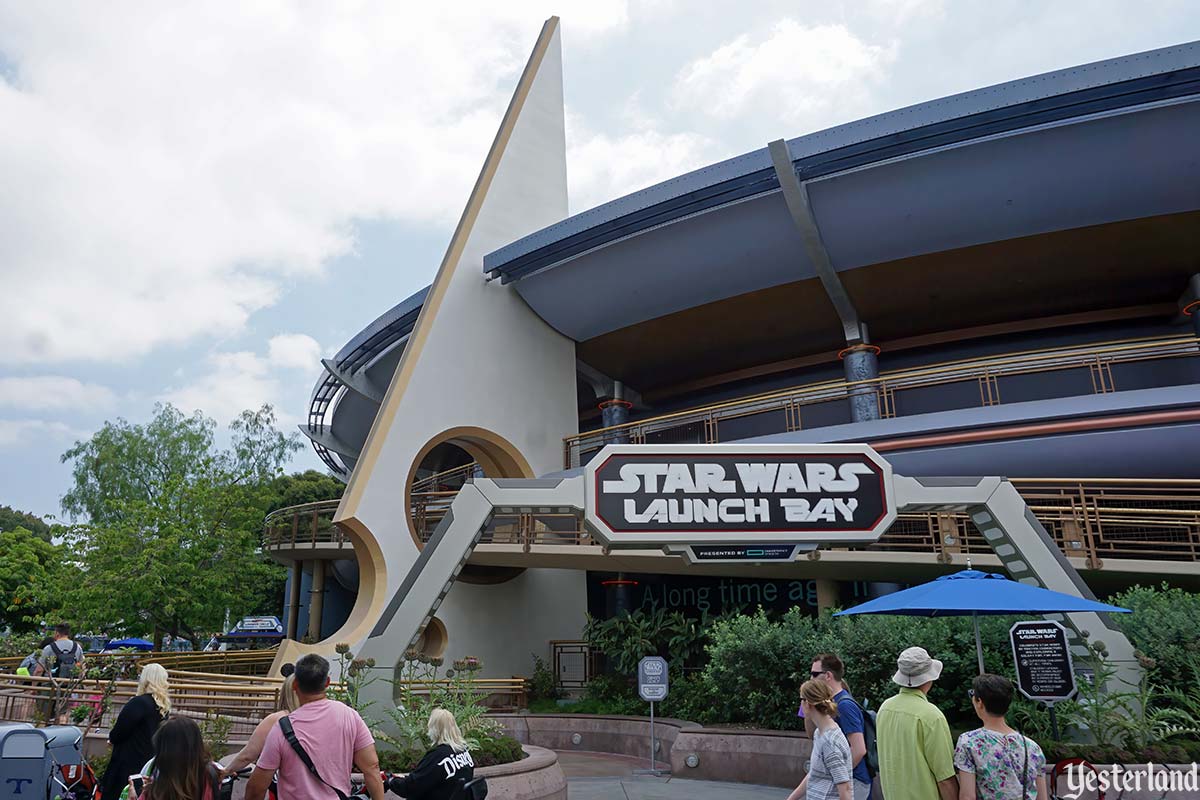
(137, 644)
(972, 592)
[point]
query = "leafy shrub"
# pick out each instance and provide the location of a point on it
(755, 665)
(544, 684)
(393, 758)
(215, 730)
(1163, 626)
(419, 690)
(628, 637)
(497, 750)
(491, 751)
(99, 763)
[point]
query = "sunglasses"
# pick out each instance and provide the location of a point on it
(818, 674)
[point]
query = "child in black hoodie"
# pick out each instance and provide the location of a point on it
(444, 769)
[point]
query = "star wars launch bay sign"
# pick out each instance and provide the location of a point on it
(661, 495)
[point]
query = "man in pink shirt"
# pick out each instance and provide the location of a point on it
(334, 736)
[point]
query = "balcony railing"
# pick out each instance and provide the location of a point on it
(1094, 519)
(784, 410)
(305, 525)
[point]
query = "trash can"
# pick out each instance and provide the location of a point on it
(25, 765)
(65, 743)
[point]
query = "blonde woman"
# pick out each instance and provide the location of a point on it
(830, 766)
(288, 702)
(444, 769)
(132, 735)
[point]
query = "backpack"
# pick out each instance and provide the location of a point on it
(871, 759)
(65, 661)
(28, 664)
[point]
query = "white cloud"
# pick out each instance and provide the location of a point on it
(899, 12)
(54, 392)
(167, 168)
(235, 381)
(601, 167)
(294, 351)
(20, 431)
(815, 75)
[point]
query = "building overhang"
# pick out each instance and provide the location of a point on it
(1087, 146)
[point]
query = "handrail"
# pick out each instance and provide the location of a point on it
(1095, 518)
(1098, 357)
(289, 511)
(464, 471)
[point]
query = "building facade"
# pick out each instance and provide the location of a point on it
(1000, 282)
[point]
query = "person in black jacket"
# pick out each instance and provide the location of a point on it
(444, 769)
(132, 735)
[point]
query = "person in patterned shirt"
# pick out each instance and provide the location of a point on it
(830, 770)
(994, 761)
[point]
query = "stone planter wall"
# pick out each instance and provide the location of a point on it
(629, 736)
(768, 758)
(772, 758)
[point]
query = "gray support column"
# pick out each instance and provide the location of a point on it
(828, 596)
(316, 603)
(293, 618)
(861, 363)
(614, 413)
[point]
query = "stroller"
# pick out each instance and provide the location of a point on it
(44, 762)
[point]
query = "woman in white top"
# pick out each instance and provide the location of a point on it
(830, 768)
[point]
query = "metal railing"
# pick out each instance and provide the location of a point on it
(233, 664)
(305, 525)
(1094, 519)
(785, 408)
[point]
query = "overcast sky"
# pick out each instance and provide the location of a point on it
(200, 200)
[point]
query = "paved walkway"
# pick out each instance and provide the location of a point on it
(601, 776)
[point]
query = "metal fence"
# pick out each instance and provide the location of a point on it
(1103, 367)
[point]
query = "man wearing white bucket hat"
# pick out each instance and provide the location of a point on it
(916, 754)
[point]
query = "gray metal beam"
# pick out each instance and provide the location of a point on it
(358, 383)
(795, 194)
(606, 387)
(330, 442)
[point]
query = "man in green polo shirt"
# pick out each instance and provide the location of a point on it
(916, 754)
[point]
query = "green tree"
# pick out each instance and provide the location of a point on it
(171, 539)
(11, 519)
(30, 568)
(310, 486)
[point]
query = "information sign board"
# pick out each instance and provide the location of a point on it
(1042, 656)
(652, 679)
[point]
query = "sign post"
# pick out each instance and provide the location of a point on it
(1042, 656)
(652, 687)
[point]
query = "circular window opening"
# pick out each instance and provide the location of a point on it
(433, 640)
(436, 481)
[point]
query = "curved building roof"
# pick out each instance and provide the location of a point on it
(1052, 194)
(954, 172)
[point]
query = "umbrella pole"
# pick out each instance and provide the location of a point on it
(978, 643)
